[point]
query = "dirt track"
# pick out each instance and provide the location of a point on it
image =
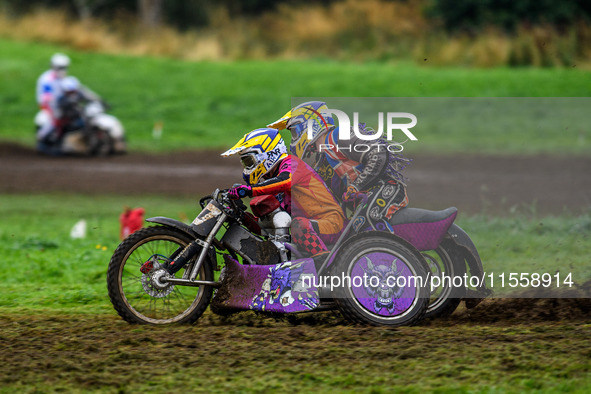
(471, 183)
(489, 346)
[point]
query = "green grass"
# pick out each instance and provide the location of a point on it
(45, 269)
(211, 104)
(48, 269)
(530, 244)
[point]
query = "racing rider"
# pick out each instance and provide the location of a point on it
(268, 170)
(48, 91)
(345, 170)
(55, 89)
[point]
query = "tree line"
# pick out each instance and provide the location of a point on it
(455, 16)
(182, 14)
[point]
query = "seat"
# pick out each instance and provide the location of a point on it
(418, 215)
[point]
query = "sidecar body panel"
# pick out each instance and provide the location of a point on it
(281, 288)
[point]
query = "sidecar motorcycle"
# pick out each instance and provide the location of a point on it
(95, 134)
(167, 273)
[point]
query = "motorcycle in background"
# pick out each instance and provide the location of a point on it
(92, 133)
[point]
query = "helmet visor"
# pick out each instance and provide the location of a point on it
(248, 161)
(297, 130)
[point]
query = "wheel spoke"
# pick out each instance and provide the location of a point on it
(145, 296)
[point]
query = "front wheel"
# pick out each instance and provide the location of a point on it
(383, 281)
(143, 297)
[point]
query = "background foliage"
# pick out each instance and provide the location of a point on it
(463, 15)
(474, 15)
(478, 33)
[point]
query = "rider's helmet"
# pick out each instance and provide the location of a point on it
(260, 151)
(297, 120)
(60, 63)
(70, 84)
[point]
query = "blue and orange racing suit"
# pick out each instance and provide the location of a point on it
(340, 165)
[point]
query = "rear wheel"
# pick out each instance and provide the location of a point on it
(99, 142)
(444, 265)
(144, 297)
(386, 285)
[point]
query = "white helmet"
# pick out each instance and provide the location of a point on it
(59, 60)
(70, 84)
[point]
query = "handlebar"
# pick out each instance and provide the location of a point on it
(233, 208)
(221, 196)
(215, 196)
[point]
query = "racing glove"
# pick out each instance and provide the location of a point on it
(350, 191)
(238, 192)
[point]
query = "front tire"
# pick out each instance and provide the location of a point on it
(139, 297)
(394, 298)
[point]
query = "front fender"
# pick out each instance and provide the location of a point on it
(174, 224)
(185, 228)
(466, 248)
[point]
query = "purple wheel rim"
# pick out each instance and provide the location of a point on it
(383, 284)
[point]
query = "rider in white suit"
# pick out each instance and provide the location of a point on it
(49, 90)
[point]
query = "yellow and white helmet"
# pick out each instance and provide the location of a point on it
(260, 150)
(301, 118)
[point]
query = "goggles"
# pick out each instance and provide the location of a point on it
(297, 129)
(249, 161)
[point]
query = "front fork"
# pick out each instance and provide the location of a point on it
(188, 252)
(208, 241)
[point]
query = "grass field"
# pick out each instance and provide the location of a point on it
(211, 104)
